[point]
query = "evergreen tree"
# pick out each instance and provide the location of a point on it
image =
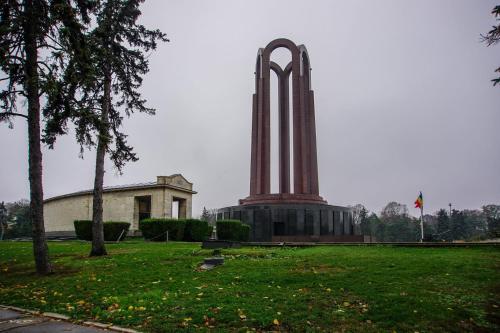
(37, 39)
(493, 37)
(492, 214)
(118, 45)
(457, 225)
(443, 226)
(3, 219)
(378, 228)
(19, 219)
(205, 215)
(430, 223)
(364, 224)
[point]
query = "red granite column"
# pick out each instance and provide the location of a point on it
(253, 160)
(314, 157)
(283, 127)
(266, 126)
(259, 150)
(284, 134)
(306, 152)
(298, 178)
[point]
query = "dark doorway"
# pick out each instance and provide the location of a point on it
(279, 229)
(143, 207)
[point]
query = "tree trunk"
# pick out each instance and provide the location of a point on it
(98, 248)
(40, 248)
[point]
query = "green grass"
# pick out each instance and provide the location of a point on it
(156, 287)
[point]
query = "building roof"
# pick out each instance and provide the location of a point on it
(160, 183)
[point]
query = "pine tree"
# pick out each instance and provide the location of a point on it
(38, 38)
(3, 219)
(443, 225)
(492, 215)
(493, 37)
(205, 214)
(117, 45)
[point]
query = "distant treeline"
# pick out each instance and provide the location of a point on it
(15, 219)
(394, 224)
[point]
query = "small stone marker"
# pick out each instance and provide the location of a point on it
(210, 263)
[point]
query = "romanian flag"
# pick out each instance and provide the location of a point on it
(419, 203)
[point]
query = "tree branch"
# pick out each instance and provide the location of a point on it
(4, 115)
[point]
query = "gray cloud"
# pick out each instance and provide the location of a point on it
(403, 103)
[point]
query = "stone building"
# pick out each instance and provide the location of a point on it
(169, 196)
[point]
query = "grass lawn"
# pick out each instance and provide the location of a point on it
(156, 287)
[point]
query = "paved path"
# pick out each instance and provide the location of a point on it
(13, 321)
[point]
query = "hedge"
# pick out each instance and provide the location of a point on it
(233, 230)
(83, 229)
(155, 229)
(196, 230)
(112, 230)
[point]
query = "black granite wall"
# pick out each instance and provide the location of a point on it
(294, 222)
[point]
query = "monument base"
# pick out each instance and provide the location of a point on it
(304, 222)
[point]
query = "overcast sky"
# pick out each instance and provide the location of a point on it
(403, 102)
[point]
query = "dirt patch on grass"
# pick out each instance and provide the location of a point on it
(251, 255)
(318, 269)
(29, 271)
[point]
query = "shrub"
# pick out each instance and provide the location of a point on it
(210, 230)
(196, 230)
(155, 229)
(112, 229)
(233, 230)
(244, 234)
(83, 229)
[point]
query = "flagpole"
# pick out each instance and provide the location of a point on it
(422, 224)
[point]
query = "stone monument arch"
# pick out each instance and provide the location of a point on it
(298, 214)
(305, 165)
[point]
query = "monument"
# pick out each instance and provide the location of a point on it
(300, 214)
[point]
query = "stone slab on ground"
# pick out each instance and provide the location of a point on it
(21, 322)
(9, 314)
(53, 326)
